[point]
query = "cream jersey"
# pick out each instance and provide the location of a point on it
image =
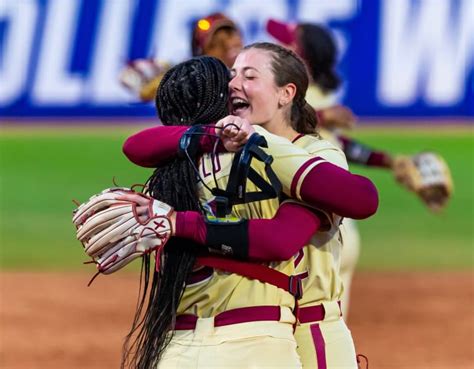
(320, 100)
(318, 263)
(210, 292)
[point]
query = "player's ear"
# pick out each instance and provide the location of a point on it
(287, 94)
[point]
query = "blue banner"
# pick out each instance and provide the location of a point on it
(397, 57)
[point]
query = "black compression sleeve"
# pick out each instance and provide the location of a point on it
(229, 238)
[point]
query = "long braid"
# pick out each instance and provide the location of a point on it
(193, 92)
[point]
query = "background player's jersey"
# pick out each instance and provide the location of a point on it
(318, 263)
(320, 100)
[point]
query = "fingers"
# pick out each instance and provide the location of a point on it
(143, 205)
(140, 200)
(234, 132)
(231, 130)
(143, 213)
(223, 125)
(230, 126)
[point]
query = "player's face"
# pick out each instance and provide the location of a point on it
(254, 94)
(225, 45)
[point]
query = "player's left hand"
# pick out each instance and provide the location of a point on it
(144, 208)
(113, 234)
(234, 132)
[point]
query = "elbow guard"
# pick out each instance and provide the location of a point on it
(228, 237)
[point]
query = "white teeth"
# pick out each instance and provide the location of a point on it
(238, 100)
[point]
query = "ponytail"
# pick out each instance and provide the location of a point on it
(307, 120)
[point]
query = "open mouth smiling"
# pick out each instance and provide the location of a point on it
(238, 105)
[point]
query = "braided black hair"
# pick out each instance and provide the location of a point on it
(193, 92)
(320, 53)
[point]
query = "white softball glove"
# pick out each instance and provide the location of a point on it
(113, 234)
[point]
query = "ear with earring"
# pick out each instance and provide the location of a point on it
(282, 103)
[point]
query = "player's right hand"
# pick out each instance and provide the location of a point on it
(234, 132)
(337, 117)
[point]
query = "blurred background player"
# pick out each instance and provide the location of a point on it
(316, 45)
(219, 36)
(215, 35)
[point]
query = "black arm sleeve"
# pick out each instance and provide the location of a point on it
(229, 238)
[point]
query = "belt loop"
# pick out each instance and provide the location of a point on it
(204, 326)
(295, 287)
(332, 311)
(296, 313)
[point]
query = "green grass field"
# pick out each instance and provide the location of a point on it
(42, 170)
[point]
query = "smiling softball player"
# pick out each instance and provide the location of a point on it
(201, 302)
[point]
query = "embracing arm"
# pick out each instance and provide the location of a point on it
(154, 146)
(334, 189)
(359, 153)
(273, 239)
(314, 181)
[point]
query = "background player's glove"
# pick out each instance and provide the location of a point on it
(142, 77)
(426, 174)
(112, 233)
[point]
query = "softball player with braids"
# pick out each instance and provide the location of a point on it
(208, 293)
(331, 273)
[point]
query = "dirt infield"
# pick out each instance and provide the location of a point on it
(399, 320)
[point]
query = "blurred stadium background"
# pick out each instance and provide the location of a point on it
(408, 67)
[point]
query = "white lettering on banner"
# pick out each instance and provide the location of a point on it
(171, 39)
(248, 13)
(21, 18)
(54, 84)
(110, 54)
(425, 47)
(312, 11)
